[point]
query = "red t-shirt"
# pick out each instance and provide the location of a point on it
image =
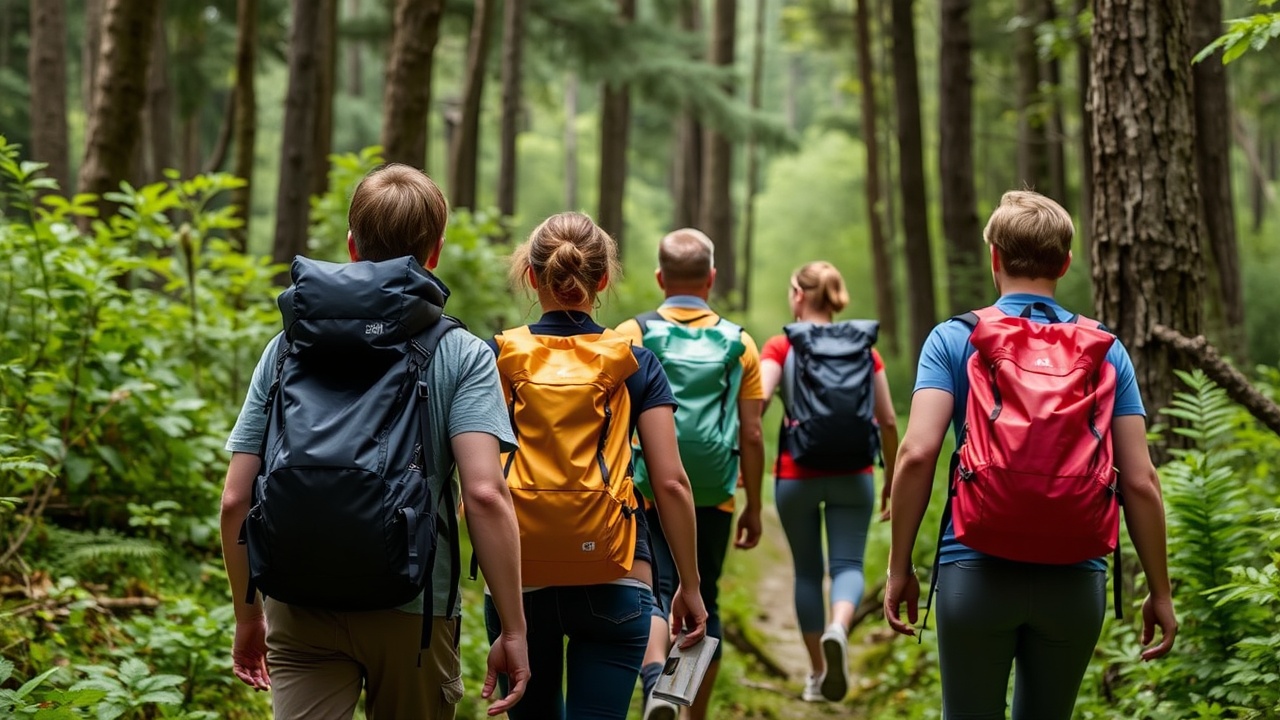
(776, 349)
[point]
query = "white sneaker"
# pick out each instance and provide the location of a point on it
(657, 709)
(835, 650)
(813, 690)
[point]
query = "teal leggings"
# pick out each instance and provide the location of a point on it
(1041, 620)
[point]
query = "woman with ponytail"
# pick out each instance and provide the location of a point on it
(824, 465)
(577, 393)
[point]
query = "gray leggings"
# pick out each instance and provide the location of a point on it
(1042, 619)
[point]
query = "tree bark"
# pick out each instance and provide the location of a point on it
(1198, 352)
(922, 304)
(1051, 75)
(218, 156)
(119, 95)
(465, 149)
(406, 96)
(355, 57)
(47, 68)
(968, 280)
(296, 162)
(89, 53)
(246, 104)
(326, 87)
(513, 12)
(686, 166)
(717, 163)
(159, 117)
(1213, 165)
(615, 129)
(1033, 156)
(882, 265)
(1085, 207)
(571, 141)
(1147, 231)
(753, 157)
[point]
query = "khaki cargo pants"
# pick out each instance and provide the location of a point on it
(320, 661)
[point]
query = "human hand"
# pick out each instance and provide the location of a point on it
(749, 529)
(1158, 611)
(249, 653)
(897, 590)
(508, 656)
(688, 615)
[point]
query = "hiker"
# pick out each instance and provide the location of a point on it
(1021, 580)
(714, 369)
(360, 411)
(577, 393)
(838, 415)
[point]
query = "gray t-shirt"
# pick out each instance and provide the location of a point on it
(465, 397)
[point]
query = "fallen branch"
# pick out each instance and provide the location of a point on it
(871, 604)
(739, 640)
(1206, 357)
(105, 604)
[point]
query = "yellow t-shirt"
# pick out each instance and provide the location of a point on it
(751, 389)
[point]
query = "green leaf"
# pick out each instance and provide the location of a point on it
(34, 682)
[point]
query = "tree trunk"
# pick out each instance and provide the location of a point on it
(406, 97)
(296, 162)
(717, 163)
(89, 53)
(884, 105)
(47, 68)
(218, 156)
(355, 57)
(246, 104)
(1213, 165)
(119, 95)
(1085, 207)
(686, 168)
(922, 305)
(326, 87)
(882, 265)
(190, 146)
(1146, 214)
(464, 153)
(1033, 156)
(615, 128)
(512, 50)
(968, 280)
(571, 141)
(159, 118)
(753, 158)
(1051, 74)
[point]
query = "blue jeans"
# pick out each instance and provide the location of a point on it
(847, 502)
(608, 630)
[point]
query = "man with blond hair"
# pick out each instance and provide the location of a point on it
(1034, 596)
(714, 368)
(317, 659)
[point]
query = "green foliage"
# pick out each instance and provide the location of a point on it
(328, 228)
(1244, 34)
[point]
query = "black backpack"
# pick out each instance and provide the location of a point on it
(343, 517)
(830, 395)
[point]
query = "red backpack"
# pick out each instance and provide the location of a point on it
(1035, 480)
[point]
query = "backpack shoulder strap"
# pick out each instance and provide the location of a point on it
(643, 320)
(1083, 321)
(973, 317)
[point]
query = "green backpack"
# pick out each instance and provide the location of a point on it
(704, 368)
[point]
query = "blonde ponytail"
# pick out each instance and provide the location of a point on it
(823, 286)
(569, 255)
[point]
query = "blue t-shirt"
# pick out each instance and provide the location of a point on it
(943, 366)
(647, 386)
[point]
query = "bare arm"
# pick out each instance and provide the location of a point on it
(888, 420)
(751, 446)
(770, 378)
(912, 486)
(249, 647)
(491, 520)
(674, 498)
(1144, 517)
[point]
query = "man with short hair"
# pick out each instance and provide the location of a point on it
(686, 273)
(318, 661)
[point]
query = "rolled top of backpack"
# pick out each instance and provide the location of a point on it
(358, 307)
(837, 338)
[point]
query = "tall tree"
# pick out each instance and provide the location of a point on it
(1033, 156)
(464, 153)
(89, 52)
(966, 267)
(296, 161)
(1146, 210)
(513, 13)
(246, 105)
(571, 141)
(615, 131)
(355, 56)
(886, 285)
(119, 94)
(1054, 133)
(922, 305)
(159, 114)
(1213, 164)
(686, 168)
(326, 86)
(47, 68)
(753, 154)
(1083, 52)
(406, 97)
(717, 159)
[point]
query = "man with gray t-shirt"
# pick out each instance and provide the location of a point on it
(317, 662)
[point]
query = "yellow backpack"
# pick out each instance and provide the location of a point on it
(570, 479)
